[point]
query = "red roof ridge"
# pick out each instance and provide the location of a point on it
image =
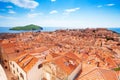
(88, 72)
(30, 64)
(24, 60)
(99, 70)
(20, 57)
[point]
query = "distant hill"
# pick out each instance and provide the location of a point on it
(27, 27)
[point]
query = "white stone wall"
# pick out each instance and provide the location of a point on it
(2, 74)
(73, 75)
(35, 73)
(16, 70)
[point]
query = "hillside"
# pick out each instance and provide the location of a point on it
(27, 27)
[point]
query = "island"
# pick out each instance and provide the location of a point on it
(27, 27)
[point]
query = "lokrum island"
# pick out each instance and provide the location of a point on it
(27, 27)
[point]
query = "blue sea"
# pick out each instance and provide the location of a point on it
(46, 29)
(115, 29)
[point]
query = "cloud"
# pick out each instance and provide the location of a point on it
(53, 12)
(1, 16)
(99, 6)
(110, 4)
(11, 11)
(53, 0)
(33, 15)
(30, 4)
(7, 17)
(67, 11)
(9, 7)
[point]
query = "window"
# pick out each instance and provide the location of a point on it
(5, 60)
(13, 71)
(39, 66)
(21, 75)
(13, 65)
(17, 51)
(5, 67)
(18, 78)
(17, 70)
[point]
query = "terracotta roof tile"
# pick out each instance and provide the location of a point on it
(23, 62)
(107, 74)
(20, 57)
(55, 55)
(8, 45)
(67, 63)
(64, 64)
(72, 56)
(1, 41)
(26, 61)
(38, 50)
(30, 64)
(98, 74)
(8, 48)
(111, 62)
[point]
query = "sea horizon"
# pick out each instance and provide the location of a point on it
(50, 29)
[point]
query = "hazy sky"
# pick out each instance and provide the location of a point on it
(60, 13)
